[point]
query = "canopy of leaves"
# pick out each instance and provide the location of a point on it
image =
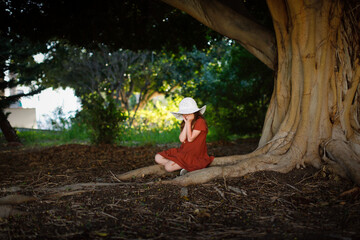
(128, 24)
(16, 57)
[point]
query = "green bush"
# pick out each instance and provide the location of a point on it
(103, 118)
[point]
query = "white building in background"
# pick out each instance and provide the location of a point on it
(35, 111)
(22, 117)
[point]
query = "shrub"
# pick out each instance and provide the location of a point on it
(103, 117)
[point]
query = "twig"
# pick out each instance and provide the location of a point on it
(108, 215)
(308, 177)
(225, 182)
(237, 190)
(293, 187)
(114, 176)
(220, 193)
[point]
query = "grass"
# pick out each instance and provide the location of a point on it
(155, 125)
(149, 137)
(131, 137)
(49, 138)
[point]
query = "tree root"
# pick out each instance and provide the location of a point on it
(282, 164)
(157, 170)
(9, 202)
(16, 199)
(223, 167)
(342, 159)
(340, 156)
(8, 211)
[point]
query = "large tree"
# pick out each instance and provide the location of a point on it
(312, 45)
(313, 114)
(16, 58)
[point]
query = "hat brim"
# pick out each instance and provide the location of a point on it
(178, 115)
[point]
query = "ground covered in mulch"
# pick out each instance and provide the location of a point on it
(71, 192)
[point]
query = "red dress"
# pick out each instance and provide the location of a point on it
(191, 155)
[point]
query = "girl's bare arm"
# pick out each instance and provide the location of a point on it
(191, 134)
(182, 136)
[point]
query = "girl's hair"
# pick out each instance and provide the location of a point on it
(197, 115)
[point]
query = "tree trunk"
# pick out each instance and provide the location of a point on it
(313, 114)
(217, 15)
(315, 100)
(8, 131)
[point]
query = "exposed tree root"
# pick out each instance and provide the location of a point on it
(8, 210)
(282, 164)
(16, 199)
(342, 159)
(340, 156)
(142, 172)
(232, 166)
(225, 167)
(159, 170)
(8, 203)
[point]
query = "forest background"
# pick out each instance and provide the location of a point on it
(127, 95)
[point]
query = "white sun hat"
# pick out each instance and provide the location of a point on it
(188, 106)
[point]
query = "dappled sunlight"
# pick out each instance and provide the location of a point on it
(157, 115)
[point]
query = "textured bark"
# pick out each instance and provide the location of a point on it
(313, 114)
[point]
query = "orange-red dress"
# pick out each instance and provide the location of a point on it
(191, 155)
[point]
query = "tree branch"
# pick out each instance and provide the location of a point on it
(258, 40)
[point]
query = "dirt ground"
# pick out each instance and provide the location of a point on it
(70, 192)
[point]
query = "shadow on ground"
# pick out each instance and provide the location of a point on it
(70, 193)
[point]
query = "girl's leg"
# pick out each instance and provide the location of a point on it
(169, 165)
(160, 159)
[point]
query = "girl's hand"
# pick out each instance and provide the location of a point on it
(190, 117)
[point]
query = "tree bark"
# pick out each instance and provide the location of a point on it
(313, 114)
(8, 131)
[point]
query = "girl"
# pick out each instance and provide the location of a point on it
(192, 154)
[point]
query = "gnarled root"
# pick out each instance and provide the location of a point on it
(342, 159)
(157, 170)
(282, 164)
(230, 166)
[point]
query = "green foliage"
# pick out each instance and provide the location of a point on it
(140, 136)
(145, 130)
(243, 92)
(155, 124)
(126, 24)
(103, 117)
(235, 86)
(16, 58)
(157, 115)
(131, 78)
(77, 133)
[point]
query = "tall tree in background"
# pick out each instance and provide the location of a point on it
(16, 58)
(102, 80)
(130, 78)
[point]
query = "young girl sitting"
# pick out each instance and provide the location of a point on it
(192, 154)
